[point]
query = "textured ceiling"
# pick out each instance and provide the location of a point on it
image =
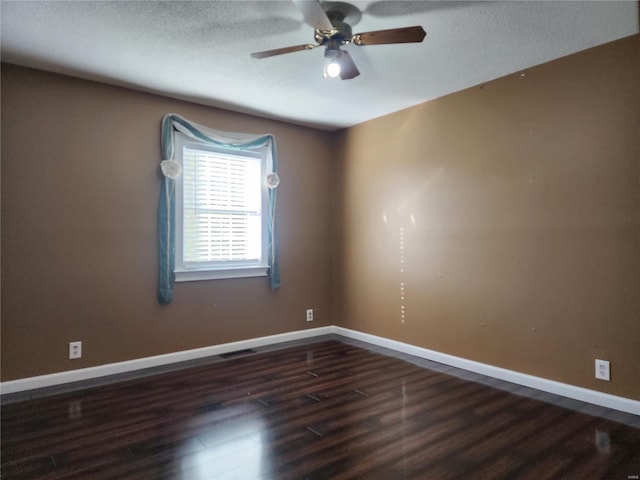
(200, 50)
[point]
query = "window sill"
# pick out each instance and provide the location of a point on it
(241, 272)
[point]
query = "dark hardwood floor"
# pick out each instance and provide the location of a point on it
(326, 410)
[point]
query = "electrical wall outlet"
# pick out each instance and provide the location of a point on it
(316, 314)
(309, 314)
(75, 350)
(603, 371)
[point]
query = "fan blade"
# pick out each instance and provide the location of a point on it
(348, 69)
(314, 15)
(280, 51)
(394, 35)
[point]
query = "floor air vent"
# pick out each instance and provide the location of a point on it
(238, 353)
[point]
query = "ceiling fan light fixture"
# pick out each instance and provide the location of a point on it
(331, 63)
(331, 69)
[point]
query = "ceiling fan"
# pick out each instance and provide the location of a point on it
(331, 31)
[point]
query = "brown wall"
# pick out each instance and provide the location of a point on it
(80, 185)
(525, 252)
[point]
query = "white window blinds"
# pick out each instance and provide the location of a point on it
(222, 209)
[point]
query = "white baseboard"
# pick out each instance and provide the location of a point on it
(571, 391)
(30, 383)
(578, 393)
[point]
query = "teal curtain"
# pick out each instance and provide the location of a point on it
(166, 205)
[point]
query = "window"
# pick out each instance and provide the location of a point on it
(221, 205)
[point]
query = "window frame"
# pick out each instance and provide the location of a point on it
(223, 269)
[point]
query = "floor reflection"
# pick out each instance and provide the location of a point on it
(229, 449)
